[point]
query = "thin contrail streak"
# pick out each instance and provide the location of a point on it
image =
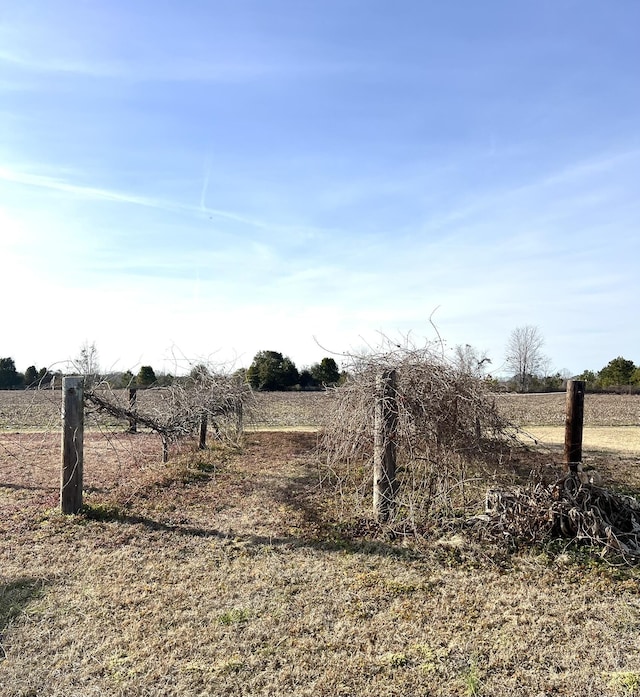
(89, 192)
(205, 183)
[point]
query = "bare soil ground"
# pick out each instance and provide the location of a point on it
(227, 572)
(549, 409)
(22, 410)
(40, 410)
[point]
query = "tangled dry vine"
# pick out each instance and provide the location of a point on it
(446, 426)
(177, 411)
(451, 444)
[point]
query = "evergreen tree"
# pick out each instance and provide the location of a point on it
(589, 378)
(619, 371)
(10, 378)
(306, 379)
(31, 376)
(270, 370)
(44, 377)
(146, 376)
(326, 372)
(127, 379)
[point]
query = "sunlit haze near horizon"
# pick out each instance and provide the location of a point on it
(203, 180)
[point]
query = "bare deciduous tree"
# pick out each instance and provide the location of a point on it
(470, 361)
(524, 354)
(87, 363)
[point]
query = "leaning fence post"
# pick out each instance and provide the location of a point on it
(72, 444)
(133, 399)
(384, 445)
(573, 424)
(239, 419)
(202, 444)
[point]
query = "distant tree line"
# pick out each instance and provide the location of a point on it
(11, 379)
(530, 368)
(33, 378)
(619, 373)
(270, 370)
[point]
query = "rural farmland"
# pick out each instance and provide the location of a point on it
(238, 571)
(291, 293)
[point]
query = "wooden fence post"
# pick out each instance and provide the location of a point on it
(239, 419)
(133, 399)
(72, 444)
(384, 445)
(165, 449)
(202, 444)
(573, 424)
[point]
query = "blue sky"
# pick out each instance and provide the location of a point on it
(203, 180)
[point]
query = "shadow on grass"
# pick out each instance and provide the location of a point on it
(331, 541)
(296, 495)
(15, 597)
(27, 487)
(619, 471)
(300, 493)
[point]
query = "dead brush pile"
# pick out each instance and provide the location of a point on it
(448, 435)
(571, 509)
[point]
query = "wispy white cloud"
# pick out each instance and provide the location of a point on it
(207, 47)
(179, 70)
(407, 169)
(586, 169)
(96, 193)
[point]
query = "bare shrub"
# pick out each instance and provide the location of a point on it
(447, 426)
(177, 411)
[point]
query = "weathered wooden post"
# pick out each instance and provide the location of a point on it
(573, 424)
(239, 419)
(72, 444)
(165, 449)
(202, 444)
(133, 400)
(384, 445)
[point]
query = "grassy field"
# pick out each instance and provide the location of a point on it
(229, 573)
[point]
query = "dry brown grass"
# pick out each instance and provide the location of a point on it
(234, 581)
(623, 439)
(224, 573)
